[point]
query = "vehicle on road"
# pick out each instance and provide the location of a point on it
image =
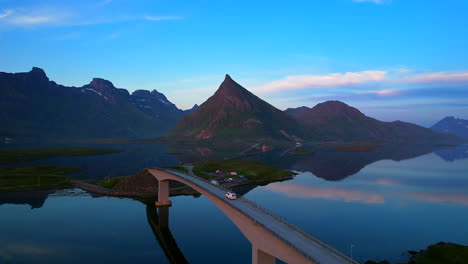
(215, 182)
(231, 196)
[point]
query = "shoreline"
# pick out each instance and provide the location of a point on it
(178, 191)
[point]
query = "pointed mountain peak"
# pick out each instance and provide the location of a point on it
(231, 88)
(228, 81)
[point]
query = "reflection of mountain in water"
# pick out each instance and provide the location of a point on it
(334, 165)
(452, 154)
(326, 163)
(35, 198)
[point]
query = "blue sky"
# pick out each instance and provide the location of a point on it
(393, 59)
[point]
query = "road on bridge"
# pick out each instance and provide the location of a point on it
(304, 243)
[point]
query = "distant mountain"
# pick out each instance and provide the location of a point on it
(234, 112)
(337, 121)
(33, 106)
(452, 125)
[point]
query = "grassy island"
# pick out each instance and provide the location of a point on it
(440, 253)
(10, 156)
(252, 170)
(447, 253)
(35, 177)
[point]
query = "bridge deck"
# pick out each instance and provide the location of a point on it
(307, 245)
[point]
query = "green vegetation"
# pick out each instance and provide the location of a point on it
(35, 177)
(301, 152)
(9, 156)
(109, 182)
(253, 170)
(354, 148)
(446, 253)
(203, 175)
(440, 253)
(179, 168)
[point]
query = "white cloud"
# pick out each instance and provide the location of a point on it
(387, 92)
(31, 20)
(438, 77)
(63, 16)
(6, 13)
(299, 82)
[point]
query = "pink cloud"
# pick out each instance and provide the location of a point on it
(438, 77)
(328, 193)
(386, 182)
(298, 82)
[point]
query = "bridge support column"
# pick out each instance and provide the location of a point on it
(261, 257)
(163, 194)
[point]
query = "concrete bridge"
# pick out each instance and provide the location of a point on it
(271, 237)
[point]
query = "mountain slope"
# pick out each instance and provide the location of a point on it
(452, 125)
(337, 121)
(234, 112)
(33, 106)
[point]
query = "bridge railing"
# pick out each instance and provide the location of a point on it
(299, 231)
(291, 226)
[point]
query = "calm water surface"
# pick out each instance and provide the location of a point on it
(377, 207)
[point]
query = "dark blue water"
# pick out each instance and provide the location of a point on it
(131, 159)
(379, 207)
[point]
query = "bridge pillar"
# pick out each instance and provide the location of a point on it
(163, 194)
(261, 257)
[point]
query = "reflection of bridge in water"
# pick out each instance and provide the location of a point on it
(271, 237)
(158, 218)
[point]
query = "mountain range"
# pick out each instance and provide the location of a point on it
(452, 125)
(233, 112)
(31, 105)
(337, 121)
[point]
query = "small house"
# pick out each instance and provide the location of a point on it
(233, 173)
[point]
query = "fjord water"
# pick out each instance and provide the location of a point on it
(371, 206)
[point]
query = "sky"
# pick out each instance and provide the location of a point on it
(392, 59)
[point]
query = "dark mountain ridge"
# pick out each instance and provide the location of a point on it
(234, 112)
(337, 121)
(33, 106)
